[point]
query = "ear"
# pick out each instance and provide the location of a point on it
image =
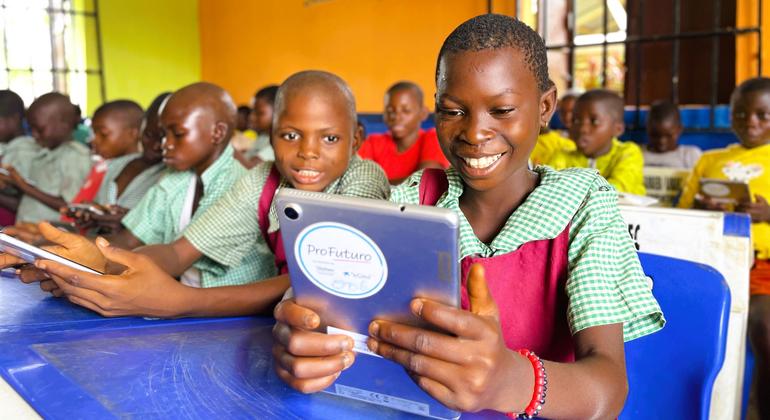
(358, 138)
(219, 133)
(619, 128)
(548, 103)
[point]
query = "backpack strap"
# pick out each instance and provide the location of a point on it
(274, 239)
(433, 184)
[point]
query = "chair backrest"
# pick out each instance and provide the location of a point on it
(671, 372)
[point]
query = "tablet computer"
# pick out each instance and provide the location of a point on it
(31, 253)
(725, 191)
(353, 260)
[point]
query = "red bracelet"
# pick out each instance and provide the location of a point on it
(541, 385)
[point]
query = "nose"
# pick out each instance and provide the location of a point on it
(478, 130)
(308, 149)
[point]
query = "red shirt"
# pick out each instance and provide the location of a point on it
(382, 149)
(90, 187)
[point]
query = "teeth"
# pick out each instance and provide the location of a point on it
(308, 173)
(482, 162)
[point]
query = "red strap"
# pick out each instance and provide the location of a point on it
(433, 184)
(274, 240)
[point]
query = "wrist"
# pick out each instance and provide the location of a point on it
(517, 384)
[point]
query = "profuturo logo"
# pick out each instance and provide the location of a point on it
(341, 260)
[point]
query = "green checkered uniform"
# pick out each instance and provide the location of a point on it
(135, 190)
(155, 220)
(228, 233)
(605, 283)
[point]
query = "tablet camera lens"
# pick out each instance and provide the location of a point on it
(291, 213)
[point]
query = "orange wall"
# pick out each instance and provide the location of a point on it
(746, 46)
(369, 43)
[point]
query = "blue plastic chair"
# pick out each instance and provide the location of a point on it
(671, 372)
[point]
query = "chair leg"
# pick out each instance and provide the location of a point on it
(759, 336)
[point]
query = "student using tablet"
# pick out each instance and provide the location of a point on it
(315, 138)
(550, 266)
(749, 162)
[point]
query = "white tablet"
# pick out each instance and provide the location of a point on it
(31, 253)
(353, 260)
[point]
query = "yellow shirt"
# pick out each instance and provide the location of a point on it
(621, 166)
(547, 145)
(736, 163)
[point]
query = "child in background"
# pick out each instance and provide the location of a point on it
(405, 148)
(197, 122)
(564, 279)
(596, 124)
(664, 127)
(315, 139)
(748, 162)
(16, 149)
(260, 121)
(128, 178)
(565, 110)
(243, 137)
(549, 142)
(58, 169)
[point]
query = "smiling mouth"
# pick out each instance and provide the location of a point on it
(483, 162)
(307, 176)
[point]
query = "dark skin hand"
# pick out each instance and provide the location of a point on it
(759, 210)
(67, 245)
(468, 369)
(15, 179)
(144, 289)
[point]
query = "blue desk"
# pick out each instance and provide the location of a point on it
(68, 362)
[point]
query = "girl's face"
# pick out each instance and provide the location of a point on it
(489, 111)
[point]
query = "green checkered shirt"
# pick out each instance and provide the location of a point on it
(605, 283)
(228, 233)
(59, 172)
(155, 220)
(135, 190)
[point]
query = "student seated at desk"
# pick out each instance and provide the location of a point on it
(663, 130)
(234, 242)
(58, 169)
(748, 162)
(260, 122)
(596, 124)
(119, 127)
(549, 263)
(405, 148)
(16, 148)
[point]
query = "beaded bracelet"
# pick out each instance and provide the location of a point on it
(541, 385)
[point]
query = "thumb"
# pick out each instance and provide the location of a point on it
(117, 255)
(66, 239)
(480, 298)
(760, 199)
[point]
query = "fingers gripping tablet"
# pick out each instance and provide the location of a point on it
(31, 253)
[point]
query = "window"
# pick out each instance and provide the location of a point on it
(51, 45)
(680, 50)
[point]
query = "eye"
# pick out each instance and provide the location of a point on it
(595, 121)
(763, 116)
(290, 136)
(450, 112)
(502, 111)
(331, 139)
(739, 115)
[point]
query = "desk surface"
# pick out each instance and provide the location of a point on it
(68, 362)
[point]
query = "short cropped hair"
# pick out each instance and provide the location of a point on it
(11, 104)
(268, 93)
(756, 84)
(131, 113)
(663, 111)
(490, 32)
(613, 101)
(406, 85)
(244, 109)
